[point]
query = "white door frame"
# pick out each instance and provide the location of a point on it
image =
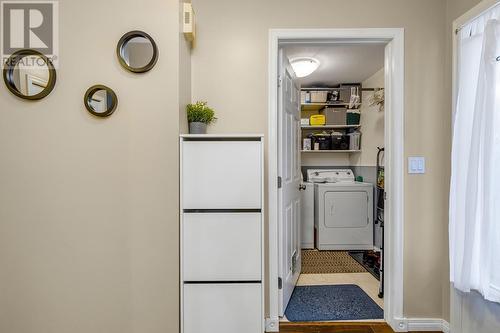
(394, 157)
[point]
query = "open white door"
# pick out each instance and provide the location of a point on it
(289, 174)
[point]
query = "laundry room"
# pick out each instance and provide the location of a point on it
(342, 190)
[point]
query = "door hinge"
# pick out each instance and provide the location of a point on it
(280, 283)
(280, 81)
(385, 195)
(279, 182)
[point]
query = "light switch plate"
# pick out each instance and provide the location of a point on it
(416, 165)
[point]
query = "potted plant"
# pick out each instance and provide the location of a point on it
(199, 116)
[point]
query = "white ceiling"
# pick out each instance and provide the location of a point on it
(340, 63)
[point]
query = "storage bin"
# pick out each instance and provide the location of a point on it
(317, 120)
(345, 92)
(335, 116)
(340, 141)
(319, 96)
(324, 141)
(353, 118)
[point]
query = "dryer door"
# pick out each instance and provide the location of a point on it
(346, 210)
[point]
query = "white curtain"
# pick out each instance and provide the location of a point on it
(475, 178)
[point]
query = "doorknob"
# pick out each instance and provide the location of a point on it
(302, 187)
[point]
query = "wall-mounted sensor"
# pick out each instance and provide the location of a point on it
(188, 25)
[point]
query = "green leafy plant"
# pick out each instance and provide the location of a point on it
(200, 112)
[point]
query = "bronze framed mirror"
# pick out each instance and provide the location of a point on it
(100, 101)
(29, 74)
(137, 52)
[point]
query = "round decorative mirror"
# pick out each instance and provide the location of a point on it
(137, 52)
(29, 74)
(100, 101)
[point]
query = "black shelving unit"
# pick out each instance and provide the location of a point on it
(379, 214)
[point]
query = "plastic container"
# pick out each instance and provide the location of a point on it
(339, 141)
(324, 141)
(317, 120)
(307, 144)
(353, 118)
(354, 141)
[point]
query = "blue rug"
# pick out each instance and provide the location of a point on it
(334, 302)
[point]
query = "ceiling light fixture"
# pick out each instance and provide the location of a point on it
(304, 66)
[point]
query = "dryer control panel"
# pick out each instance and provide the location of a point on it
(330, 175)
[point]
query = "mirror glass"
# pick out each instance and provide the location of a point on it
(29, 76)
(100, 101)
(137, 52)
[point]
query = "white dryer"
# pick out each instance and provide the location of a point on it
(343, 210)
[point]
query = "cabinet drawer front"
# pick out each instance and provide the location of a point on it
(222, 247)
(222, 308)
(221, 174)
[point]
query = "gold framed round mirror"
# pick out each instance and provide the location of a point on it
(29, 74)
(100, 101)
(137, 52)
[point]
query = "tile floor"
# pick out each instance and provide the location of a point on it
(365, 281)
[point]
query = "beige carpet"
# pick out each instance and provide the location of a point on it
(324, 262)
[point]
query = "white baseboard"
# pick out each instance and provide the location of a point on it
(272, 325)
(399, 325)
(427, 324)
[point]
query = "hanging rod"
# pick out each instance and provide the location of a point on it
(457, 30)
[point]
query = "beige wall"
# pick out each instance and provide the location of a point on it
(89, 213)
(229, 69)
(184, 74)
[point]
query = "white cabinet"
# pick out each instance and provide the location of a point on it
(222, 174)
(222, 234)
(222, 247)
(223, 308)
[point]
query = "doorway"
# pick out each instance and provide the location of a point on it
(284, 232)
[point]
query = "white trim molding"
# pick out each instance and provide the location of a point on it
(394, 156)
(272, 325)
(427, 324)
